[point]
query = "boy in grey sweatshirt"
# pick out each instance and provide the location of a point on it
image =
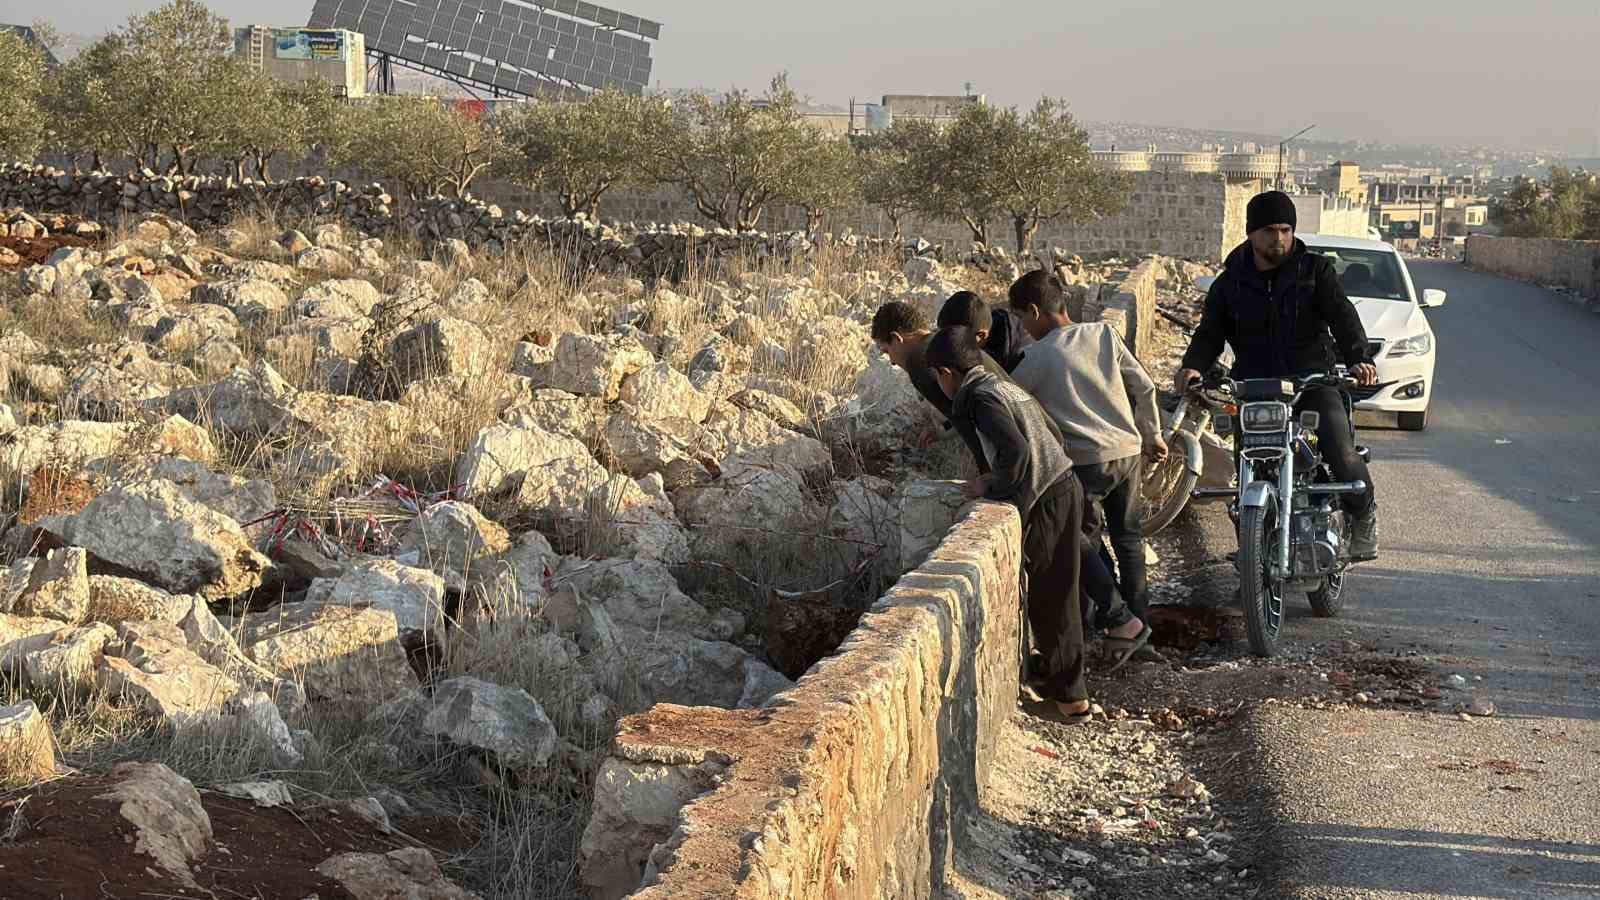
(1083, 376)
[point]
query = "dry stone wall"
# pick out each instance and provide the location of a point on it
(1188, 216)
(853, 783)
(1570, 264)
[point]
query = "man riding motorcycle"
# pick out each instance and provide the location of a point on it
(1283, 311)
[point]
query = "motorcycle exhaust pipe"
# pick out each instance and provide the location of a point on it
(1337, 487)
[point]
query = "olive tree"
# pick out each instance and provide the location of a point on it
(428, 145)
(734, 155)
(579, 149)
(828, 180)
(885, 172)
(1042, 170)
(278, 120)
(22, 129)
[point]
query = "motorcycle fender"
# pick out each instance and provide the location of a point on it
(1193, 455)
(1257, 494)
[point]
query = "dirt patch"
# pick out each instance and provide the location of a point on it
(65, 843)
(34, 251)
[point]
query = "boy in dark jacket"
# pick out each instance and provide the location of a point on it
(1028, 469)
(999, 333)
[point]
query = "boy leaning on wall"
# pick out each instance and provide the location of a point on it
(1028, 469)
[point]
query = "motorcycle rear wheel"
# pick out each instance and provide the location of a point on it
(1261, 596)
(1166, 486)
(1327, 601)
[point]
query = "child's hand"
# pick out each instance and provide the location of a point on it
(975, 488)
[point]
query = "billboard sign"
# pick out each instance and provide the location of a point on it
(308, 44)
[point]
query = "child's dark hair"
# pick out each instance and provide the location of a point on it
(897, 318)
(1039, 288)
(954, 348)
(965, 308)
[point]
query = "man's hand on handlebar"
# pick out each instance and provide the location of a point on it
(1365, 374)
(1187, 378)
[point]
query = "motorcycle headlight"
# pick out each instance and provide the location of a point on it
(1416, 345)
(1264, 417)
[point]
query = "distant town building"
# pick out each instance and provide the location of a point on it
(1343, 179)
(936, 108)
(295, 54)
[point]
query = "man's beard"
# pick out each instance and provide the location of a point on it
(1275, 254)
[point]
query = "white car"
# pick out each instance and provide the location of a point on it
(1377, 281)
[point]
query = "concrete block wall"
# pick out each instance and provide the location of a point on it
(854, 783)
(1570, 264)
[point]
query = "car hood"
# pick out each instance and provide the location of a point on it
(1389, 320)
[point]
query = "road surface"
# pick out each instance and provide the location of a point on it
(1491, 557)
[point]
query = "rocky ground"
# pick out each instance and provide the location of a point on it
(319, 528)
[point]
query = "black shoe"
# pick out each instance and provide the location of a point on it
(1364, 537)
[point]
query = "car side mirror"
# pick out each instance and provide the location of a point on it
(1203, 283)
(1432, 298)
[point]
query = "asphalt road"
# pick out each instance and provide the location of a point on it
(1491, 559)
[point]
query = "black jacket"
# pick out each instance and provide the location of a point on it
(1292, 320)
(1007, 339)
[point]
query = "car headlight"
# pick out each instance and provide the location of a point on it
(1264, 417)
(1416, 345)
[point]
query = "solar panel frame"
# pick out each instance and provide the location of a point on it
(535, 46)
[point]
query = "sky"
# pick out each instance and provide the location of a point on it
(1506, 74)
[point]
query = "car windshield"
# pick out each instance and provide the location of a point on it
(1367, 273)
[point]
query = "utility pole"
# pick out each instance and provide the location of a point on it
(1283, 149)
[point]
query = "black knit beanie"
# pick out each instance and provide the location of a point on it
(1269, 208)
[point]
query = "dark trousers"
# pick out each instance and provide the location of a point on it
(1051, 560)
(1338, 446)
(1115, 485)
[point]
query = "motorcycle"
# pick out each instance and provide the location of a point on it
(1293, 535)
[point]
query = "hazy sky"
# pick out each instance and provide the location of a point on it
(1516, 73)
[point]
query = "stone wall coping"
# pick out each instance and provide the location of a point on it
(774, 825)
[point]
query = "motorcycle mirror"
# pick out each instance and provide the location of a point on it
(1310, 419)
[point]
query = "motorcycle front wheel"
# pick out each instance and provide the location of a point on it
(1166, 487)
(1261, 595)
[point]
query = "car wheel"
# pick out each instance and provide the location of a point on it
(1412, 421)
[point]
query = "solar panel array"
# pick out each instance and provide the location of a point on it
(515, 47)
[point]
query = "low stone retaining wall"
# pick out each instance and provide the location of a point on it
(1570, 264)
(856, 782)
(1128, 302)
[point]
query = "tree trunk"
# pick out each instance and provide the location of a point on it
(980, 230)
(894, 219)
(594, 208)
(238, 170)
(569, 204)
(1026, 227)
(813, 222)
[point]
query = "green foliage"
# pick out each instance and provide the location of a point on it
(581, 149)
(993, 162)
(22, 126)
(736, 155)
(427, 144)
(886, 173)
(1566, 205)
(829, 179)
